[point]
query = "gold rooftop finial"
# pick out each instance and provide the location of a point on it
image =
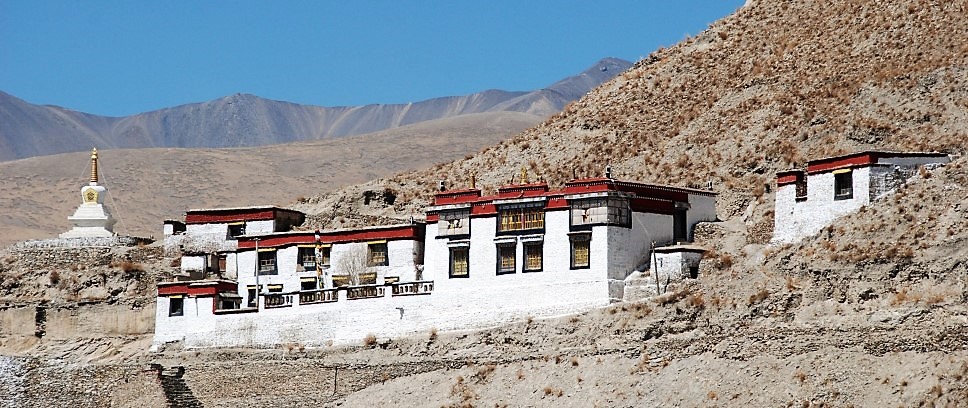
(473, 181)
(94, 165)
(524, 175)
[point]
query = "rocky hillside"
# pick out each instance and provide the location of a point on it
(765, 89)
(239, 120)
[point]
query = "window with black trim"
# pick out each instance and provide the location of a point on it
(378, 254)
(253, 300)
(459, 262)
(324, 256)
(307, 258)
(580, 251)
(533, 256)
(506, 261)
(176, 306)
(267, 263)
(236, 230)
(844, 185)
(307, 284)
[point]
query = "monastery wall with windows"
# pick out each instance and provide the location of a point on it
(478, 261)
(807, 201)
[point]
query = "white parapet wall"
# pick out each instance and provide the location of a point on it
(348, 321)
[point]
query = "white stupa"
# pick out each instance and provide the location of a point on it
(92, 219)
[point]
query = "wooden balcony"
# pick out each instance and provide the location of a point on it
(318, 296)
(412, 288)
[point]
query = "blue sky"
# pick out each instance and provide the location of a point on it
(123, 57)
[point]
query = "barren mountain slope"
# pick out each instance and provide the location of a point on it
(765, 89)
(146, 186)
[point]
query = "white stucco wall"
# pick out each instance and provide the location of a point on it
(193, 263)
(701, 208)
(259, 227)
(796, 220)
(349, 321)
(785, 225)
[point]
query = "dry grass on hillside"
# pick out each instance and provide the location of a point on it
(765, 89)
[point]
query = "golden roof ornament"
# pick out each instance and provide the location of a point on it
(94, 165)
(524, 175)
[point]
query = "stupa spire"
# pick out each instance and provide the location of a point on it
(94, 166)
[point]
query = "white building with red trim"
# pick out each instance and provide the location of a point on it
(208, 235)
(577, 244)
(478, 262)
(811, 199)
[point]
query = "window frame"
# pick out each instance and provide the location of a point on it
(517, 219)
(451, 261)
(176, 311)
(527, 247)
(370, 252)
(325, 253)
(841, 180)
(586, 241)
(301, 255)
(253, 296)
(262, 270)
(233, 231)
(512, 249)
(302, 285)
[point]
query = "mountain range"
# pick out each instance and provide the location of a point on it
(243, 120)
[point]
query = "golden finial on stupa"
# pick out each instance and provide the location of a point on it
(94, 165)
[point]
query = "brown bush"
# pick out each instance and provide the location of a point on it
(129, 266)
(758, 297)
(369, 340)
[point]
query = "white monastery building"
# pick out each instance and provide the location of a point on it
(207, 236)
(478, 261)
(809, 200)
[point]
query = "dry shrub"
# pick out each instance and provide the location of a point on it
(520, 374)
(900, 297)
(934, 299)
(129, 266)
(671, 297)
(433, 333)
(696, 300)
(758, 297)
(800, 376)
(574, 361)
(725, 260)
(484, 372)
(54, 277)
(461, 390)
(549, 390)
(369, 340)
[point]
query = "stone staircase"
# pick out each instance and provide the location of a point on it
(177, 393)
